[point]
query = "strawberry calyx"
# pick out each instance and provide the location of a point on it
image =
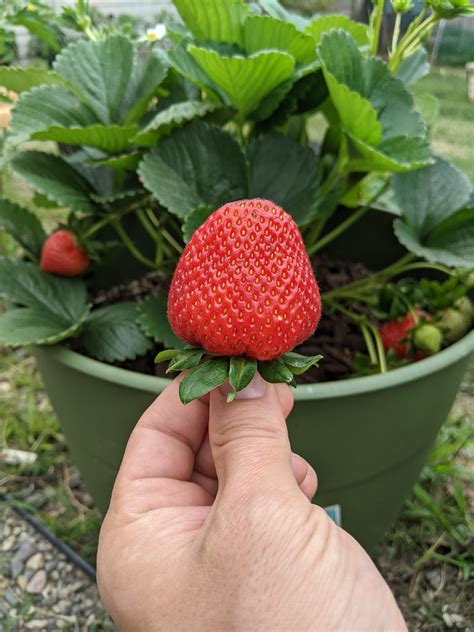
(207, 371)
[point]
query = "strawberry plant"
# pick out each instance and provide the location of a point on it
(137, 141)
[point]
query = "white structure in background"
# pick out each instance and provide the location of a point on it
(146, 9)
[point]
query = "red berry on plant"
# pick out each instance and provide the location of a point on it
(62, 255)
(397, 334)
(394, 335)
(244, 285)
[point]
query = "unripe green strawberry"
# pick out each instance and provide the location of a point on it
(456, 320)
(428, 338)
(465, 306)
(244, 285)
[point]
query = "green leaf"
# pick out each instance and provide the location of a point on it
(44, 107)
(286, 173)
(241, 373)
(123, 162)
(245, 80)
(452, 247)
(186, 66)
(275, 10)
(55, 178)
(165, 356)
(153, 319)
(146, 79)
(185, 360)
(23, 226)
(113, 139)
(55, 306)
(264, 32)
(25, 284)
(322, 24)
(32, 325)
(203, 379)
(45, 29)
(18, 79)
(194, 220)
(374, 108)
(299, 364)
(430, 195)
(101, 71)
(398, 154)
(197, 165)
(428, 107)
(112, 333)
(214, 20)
(414, 67)
(456, 236)
(358, 117)
(175, 116)
(275, 372)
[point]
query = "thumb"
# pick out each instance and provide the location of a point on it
(249, 440)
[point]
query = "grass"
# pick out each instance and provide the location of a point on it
(28, 423)
(428, 556)
(452, 132)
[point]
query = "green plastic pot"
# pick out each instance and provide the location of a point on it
(367, 438)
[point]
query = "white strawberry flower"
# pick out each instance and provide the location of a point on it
(157, 33)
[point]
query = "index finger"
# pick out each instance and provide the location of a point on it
(166, 438)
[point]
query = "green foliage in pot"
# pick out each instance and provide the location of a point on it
(138, 140)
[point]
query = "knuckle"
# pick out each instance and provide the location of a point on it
(255, 426)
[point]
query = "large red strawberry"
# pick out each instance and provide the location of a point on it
(62, 255)
(244, 285)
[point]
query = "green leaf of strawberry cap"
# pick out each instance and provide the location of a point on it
(62, 255)
(244, 288)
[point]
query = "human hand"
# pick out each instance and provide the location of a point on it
(210, 528)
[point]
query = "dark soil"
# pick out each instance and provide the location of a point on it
(337, 338)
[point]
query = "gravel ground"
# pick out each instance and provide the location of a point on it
(40, 589)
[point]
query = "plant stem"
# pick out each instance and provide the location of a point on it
(396, 32)
(145, 222)
(377, 23)
(380, 347)
(371, 282)
(369, 343)
(428, 266)
(352, 219)
(379, 355)
(96, 227)
(171, 240)
(410, 39)
(337, 173)
(128, 243)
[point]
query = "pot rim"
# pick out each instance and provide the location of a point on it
(315, 391)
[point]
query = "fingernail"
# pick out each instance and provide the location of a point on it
(256, 388)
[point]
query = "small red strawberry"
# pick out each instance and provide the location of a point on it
(244, 285)
(396, 334)
(62, 255)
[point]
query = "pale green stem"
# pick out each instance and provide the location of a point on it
(375, 35)
(396, 31)
(131, 246)
(369, 343)
(171, 240)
